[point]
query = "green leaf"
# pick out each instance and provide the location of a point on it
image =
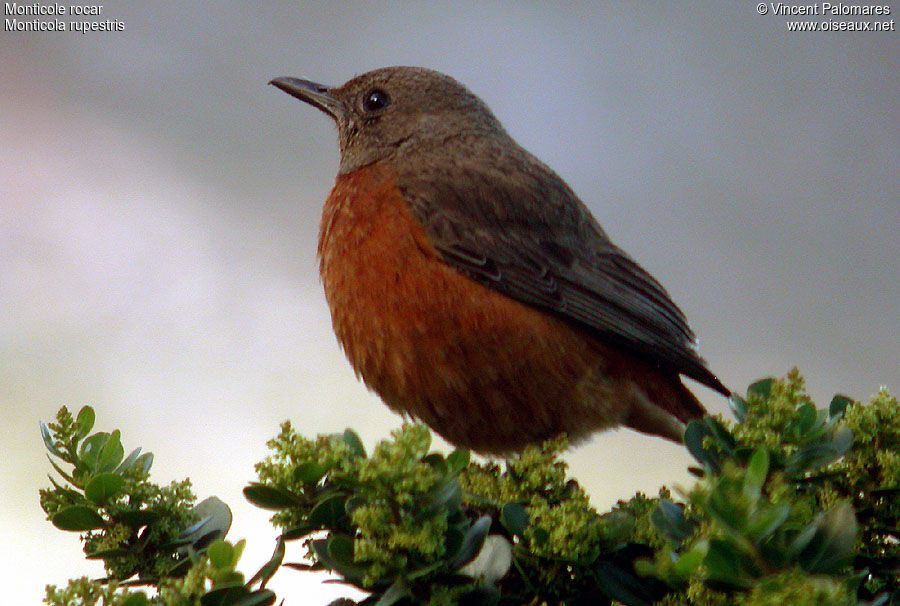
(47, 436)
(309, 473)
(270, 497)
(669, 519)
(738, 407)
(622, 585)
(802, 539)
(66, 477)
(340, 548)
(723, 505)
(514, 518)
(881, 600)
(136, 599)
(725, 564)
(230, 579)
(540, 536)
(89, 451)
(144, 462)
(112, 452)
(301, 567)
(838, 406)
(819, 454)
(77, 518)
(842, 440)
(328, 512)
(180, 567)
(694, 435)
(453, 540)
(218, 512)
(398, 590)
(129, 461)
(689, 561)
(103, 487)
(831, 547)
(353, 503)
(458, 460)
(214, 522)
(64, 492)
(353, 441)
(481, 595)
(84, 422)
(193, 530)
(761, 389)
(271, 567)
(804, 420)
(620, 526)
(445, 495)
(104, 554)
(336, 553)
(720, 434)
(425, 570)
(221, 555)
(136, 519)
(298, 532)
(767, 520)
(225, 595)
(436, 461)
(755, 478)
(472, 542)
(260, 597)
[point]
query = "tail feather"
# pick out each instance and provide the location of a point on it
(663, 408)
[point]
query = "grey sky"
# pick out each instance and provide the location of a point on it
(159, 206)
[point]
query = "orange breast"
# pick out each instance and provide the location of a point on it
(482, 369)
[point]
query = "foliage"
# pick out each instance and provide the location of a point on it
(792, 505)
(145, 534)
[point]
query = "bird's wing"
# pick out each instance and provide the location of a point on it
(524, 233)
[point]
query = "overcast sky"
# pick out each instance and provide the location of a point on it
(159, 206)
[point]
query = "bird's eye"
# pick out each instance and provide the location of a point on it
(375, 99)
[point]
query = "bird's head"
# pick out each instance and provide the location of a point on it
(382, 110)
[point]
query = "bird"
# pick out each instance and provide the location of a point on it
(471, 288)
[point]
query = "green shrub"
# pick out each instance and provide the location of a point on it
(792, 505)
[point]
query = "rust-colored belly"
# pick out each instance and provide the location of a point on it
(482, 369)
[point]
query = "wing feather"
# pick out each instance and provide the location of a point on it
(525, 233)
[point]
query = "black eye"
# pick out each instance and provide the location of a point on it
(375, 99)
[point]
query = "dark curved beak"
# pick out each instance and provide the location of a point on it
(317, 95)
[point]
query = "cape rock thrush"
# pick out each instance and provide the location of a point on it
(472, 289)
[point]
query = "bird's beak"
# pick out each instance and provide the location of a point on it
(317, 95)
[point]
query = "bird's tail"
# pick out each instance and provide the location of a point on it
(663, 408)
